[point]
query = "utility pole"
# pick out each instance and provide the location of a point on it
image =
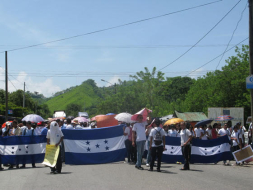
(115, 88)
(251, 51)
(24, 100)
(6, 87)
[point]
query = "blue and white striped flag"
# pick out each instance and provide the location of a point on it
(22, 149)
(94, 146)
(210, 151)
(173, 153)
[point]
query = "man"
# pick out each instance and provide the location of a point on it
(250, 133)
(138, 135)
(23, 127)
(157, 144)
(186, 137)
(69, 126)
(222, 132)
(29, 131)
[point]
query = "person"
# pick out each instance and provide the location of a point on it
(214, 131)
(197, 131)
(250, 133)
(147, 132)
(127, 130)
(236, 138)
(203, 133)
(222, 132)
(23, 127)
(29, 131)
(157, 144)
(69, 125)
(166, 130)
(55, 137)
(138, 139)
(191, 129)
(172, 132)
(186, 137)
(209, 131)
(38, 128)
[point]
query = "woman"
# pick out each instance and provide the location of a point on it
(128, 142)
(55, 137)
(214, 131)
(172, 132)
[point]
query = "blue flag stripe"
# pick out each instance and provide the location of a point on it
(22, 140)
(92, 134)
(173, 141)
(22, 159)
(211, 159)
(210, 143)
(95, 158)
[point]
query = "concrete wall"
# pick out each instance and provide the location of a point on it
(236, 112)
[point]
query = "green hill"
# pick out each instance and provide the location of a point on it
(87, 95)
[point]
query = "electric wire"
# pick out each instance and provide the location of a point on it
(201, 37)
(110, 28)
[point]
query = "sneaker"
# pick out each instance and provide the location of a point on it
(55, 172)
(147, 165)
(140, 168)
(11, 167)
(51, 172)
(150, 169)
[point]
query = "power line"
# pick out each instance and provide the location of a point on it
(12, 84)
(232, 35)
(217, 57)
(110, 28)
(202, 37)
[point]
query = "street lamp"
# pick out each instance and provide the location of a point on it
(110, 83)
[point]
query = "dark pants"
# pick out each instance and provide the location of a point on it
(58, 165)
(128, 145)
(156, 152)
(134, 153)
(186, 151)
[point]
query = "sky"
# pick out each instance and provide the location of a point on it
(116, 53)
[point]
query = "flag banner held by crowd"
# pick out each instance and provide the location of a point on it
(210, 151)
(22, 149)
(51, 155)
(173, 152)
(244, 154)
(94, 146)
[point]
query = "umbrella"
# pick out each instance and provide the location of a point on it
(54, 119)
(33, 118)
(203, 122)
(144, 112)
(224, 118)
(4, 125)
(94, 118)
(173, 121)
(81, 119)
(110, 114)
(124, 117)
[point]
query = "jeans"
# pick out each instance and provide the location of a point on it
(186, 153)
(156, 152)
(140, 149)
(128, 145)
(149, 154)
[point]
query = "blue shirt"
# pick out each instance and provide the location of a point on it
(44, 131)
(28, 132)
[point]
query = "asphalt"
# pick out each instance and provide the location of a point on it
(121, 176)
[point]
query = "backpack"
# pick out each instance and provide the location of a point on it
(158, 138)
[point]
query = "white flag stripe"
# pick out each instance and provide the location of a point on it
(208, 151)
(94, 146)
(28, 149)
(173, 150)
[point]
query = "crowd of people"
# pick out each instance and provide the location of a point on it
(150, 134)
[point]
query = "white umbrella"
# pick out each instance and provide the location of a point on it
(81, 119)
(124, 117)
(33, 118)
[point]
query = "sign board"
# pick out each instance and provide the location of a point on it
(51, 155)
(249, 82)
(244, 154)
(10, 112)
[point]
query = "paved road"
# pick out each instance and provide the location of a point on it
(120, 176)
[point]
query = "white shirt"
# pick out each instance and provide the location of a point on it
(223, 132)
(54, 141)
(172, 133)
(197, 132)
(153, 133)
(69, 126)
(139, 128)
(204, 137)
(127, 130)
(237, 135)
(185, 135)
(209, 132)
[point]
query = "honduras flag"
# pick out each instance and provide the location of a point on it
(94, 146)
(22, 149)
(210, 151)
(173, 153)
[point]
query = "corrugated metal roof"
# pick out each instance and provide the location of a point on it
(191, 116)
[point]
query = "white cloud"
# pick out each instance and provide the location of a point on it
(198, 73)
(46, 87)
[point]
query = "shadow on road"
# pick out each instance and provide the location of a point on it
(196, 170)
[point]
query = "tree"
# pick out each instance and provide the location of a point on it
(73, 109)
